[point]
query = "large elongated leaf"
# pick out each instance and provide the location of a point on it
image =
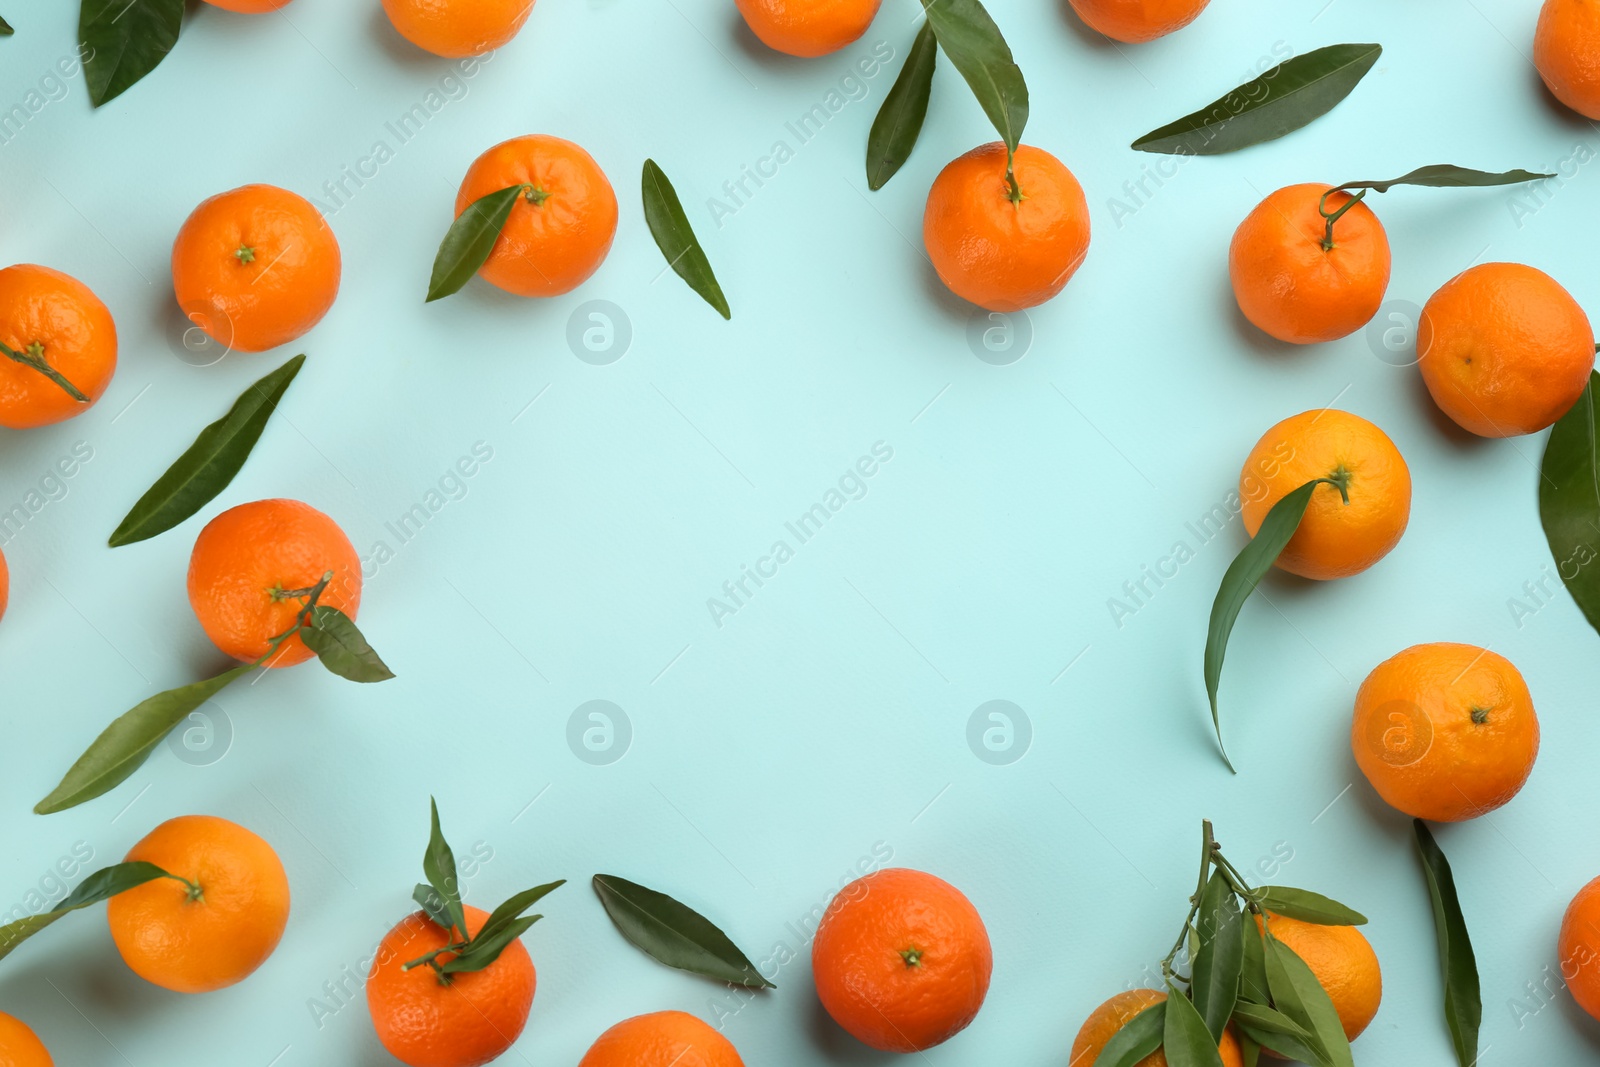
(1298, 994)
(123, 40)
(468, 242)
(1241, 579)
(675, 934)
(127, 742)
(1139, 1036)
(103, 884)
(669, 225)
(511, 910)
(342, 649)
(1449, 176)
(1280, 101)
(1307, 906)
(979, 51)
(1220, 959)
(1253, 973)
(899, 121)
(439, 868)
(207, 466)
(1272, 1029)
(1185, 1041)
(1463, 1005)
(1569, 499)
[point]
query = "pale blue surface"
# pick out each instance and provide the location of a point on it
(830, 713)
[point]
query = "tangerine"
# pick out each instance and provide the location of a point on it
(1566, 52)
(51, 319)
(661, 1039)
(1136, 21)
(1343, 963)
(20, 1046)
(808, 28)
(456, 29)
(1579, 946)
(1104, 1022)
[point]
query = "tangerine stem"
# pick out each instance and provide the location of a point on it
(1322, 209)
(33, 356)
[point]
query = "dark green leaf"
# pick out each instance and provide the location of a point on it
(514, 907)
(1298, 994)
(1253, 975)
(333, 636)
(675, 237)
(1463, 1006)
(439, 868)
(1249, 1050)
(1184, 1039)
(899, 121)
(1241, 579)
(1569, 499)
(675, 934)
(1139, 1036)
(978, 50)
(433, 905)
(1220, 959)
(123, 40)
(125, 744)
(5, 28)
(1307, 906)
(482, 951)
(1267, 1028)
(103, 884)
(1282, 100)
(1447, 176)
(208, 465)
(468, 242)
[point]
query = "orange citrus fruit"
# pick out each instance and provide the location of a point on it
(52, 317)
(1504, 349)
(426, 1019)
(246, 563)
(20, 1046)
(1000, 255)
(901, 960)
(560, 229)
(1104, 1022)
(1579, 947)
(808, 27)
(217, 929)
(5, 584)
(255, 267)
(458, 28)
(1292, 287)
(1334, 539)
(1445, 731)
(248, 7)
(1566, 51)
(661, 1039)
(1343, 963)
(1134, 21)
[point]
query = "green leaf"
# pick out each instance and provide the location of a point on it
(1241, 579)
(208, 465)
(482, 951)
(1463, 1006)
(1448, 176)
(439, 868)
(333, 636)
(1249, 1051)
(675, 934)
(123, 40)
(1184, 1038)
(103, 884)
(5, 28)
(675, 237)
(1253, 974)
(1139, 1036)
(899, 121)
(124, 745)
(1265, 1027)
(433, 905)
(513, 908)
(1307, 906)
(468, 242)
(1280, 101)
(978, 50)
(1298, 994)
(1569, 499)
(1220, 959)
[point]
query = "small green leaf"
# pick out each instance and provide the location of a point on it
(1138, 1037)
(5, 28)
(675, 934)
(482, 951)
(468, 242)
(333, 636)
(1265, 1027)
(209, 464)
(1185, 1040)
(1220, 959)
(439, 868)
(979, 51)
(675, 237)
(123, 40)
(103, 884)
(1448, 176)
(1298, 994)
(1280, 101)
(513, 908)
(1569, 499)
(127, 742)
(1463, 1005)
(899, 121)
(1307, 906)
(433, 905)
(1241, 579)
(1253, 974)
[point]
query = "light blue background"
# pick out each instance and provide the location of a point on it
(829, 716)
